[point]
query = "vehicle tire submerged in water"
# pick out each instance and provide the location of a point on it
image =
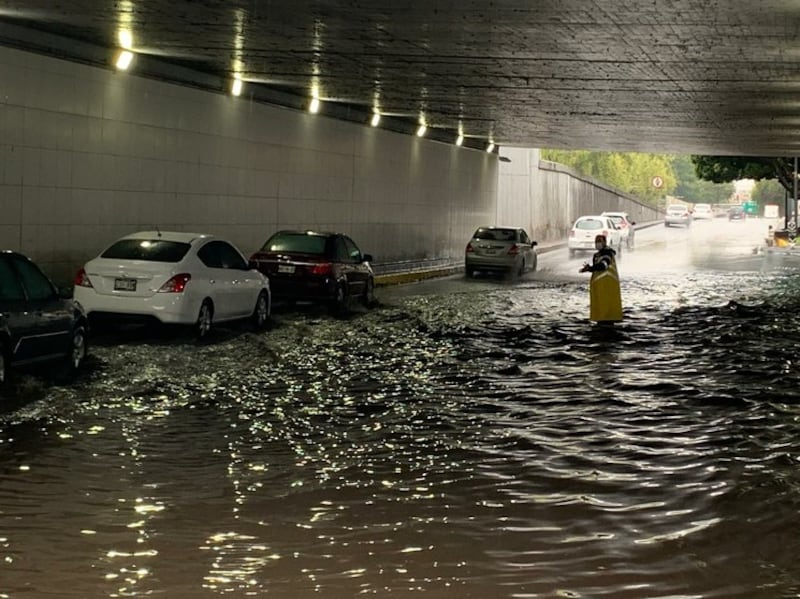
(4, 369)
(79, 348)
(368, 299)
(260, 317)
(341, 302)
(205, 318)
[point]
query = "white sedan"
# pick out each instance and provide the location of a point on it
(174, 278)
(583, 232)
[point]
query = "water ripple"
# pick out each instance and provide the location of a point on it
(469, 444)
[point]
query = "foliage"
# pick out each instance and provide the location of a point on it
(633, 173)
(768, 191)
(696, 190)
(720, 169)
(628, 172)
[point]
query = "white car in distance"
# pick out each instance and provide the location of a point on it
(173, 278)
(625, 226)
(586, 228)
(702, 211)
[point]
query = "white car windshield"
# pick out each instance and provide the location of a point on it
(589, 224)
(151, 250)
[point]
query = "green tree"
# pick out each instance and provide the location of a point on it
(721, 169)
(768, 191)
(629, 172)
(697, 190)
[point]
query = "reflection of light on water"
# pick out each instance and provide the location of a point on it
(113, 553)
(702, 525)
(237, 561)
(147, 508)
(448, 440)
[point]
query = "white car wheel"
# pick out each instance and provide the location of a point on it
(205, 318)
(261, 312)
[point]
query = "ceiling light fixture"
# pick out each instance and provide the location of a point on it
(236, 86)
(376, 118)
(459, 139)
(422, 129)
(313, 108)
(490, 147)
(125, 39)
(124, 60)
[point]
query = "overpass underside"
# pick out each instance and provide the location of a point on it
(670, 76)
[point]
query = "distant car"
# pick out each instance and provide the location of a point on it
(317, 267)
(736, 213)
(702, 211)
(37, 325)
(173, 278)
(678, 214)
(500, 249)
(625, 225)
(583, 232)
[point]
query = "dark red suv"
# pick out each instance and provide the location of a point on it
(310, 266)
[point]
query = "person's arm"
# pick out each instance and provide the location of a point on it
(601, 264)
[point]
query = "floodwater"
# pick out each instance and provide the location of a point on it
(464, 439)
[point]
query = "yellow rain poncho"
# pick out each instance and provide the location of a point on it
(605, 298)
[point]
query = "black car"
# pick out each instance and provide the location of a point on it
(736, 213)
(309, 266)
(37, 324)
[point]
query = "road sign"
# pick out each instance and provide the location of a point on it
(658, 182)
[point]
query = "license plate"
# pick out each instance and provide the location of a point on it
(286, 268)
(125, 284)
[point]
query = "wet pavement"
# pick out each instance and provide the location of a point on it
(466, 438)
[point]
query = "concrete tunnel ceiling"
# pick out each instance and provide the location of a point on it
(716, 77)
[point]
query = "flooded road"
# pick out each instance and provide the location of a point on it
(467, 438)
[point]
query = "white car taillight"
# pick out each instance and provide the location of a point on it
(176, 284)
(82, 279)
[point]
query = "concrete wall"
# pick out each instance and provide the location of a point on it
(88, 155)
(547, 197)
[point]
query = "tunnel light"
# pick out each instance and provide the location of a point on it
(421, 131)
(125, 39)
(124, 60)
(460, 140)
(313, 108)
(376, 118)
(490, 147)
(236, 87)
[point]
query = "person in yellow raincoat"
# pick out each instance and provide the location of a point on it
(605, 299)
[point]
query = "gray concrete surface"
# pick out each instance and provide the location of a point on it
(675, 75)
